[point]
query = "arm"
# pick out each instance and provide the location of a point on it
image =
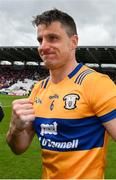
(21, 132)
(111, 128)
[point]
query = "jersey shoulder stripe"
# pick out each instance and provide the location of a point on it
(44, 83)
(82, 75)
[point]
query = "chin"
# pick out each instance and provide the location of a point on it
(51, 66)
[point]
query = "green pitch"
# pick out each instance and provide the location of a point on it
(28, 165)
(25, 166)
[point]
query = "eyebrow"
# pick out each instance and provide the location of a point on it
(39, 38)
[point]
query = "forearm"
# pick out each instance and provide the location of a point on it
(111, 128)
(21, 130)
(19, 141)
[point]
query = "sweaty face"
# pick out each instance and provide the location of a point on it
(55, 46)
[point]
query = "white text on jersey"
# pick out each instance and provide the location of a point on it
(49, 128)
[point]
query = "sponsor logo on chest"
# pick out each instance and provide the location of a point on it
(49, 129)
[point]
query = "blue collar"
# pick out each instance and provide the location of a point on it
(78, 67)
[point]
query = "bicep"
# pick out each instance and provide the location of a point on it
(111, 128)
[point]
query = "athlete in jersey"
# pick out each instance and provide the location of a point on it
(70, 111)
(69, 118)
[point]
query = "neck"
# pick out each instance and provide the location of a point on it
(60, 73)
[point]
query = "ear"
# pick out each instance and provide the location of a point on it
(74, 39)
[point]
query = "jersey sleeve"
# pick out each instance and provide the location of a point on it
(101, 96)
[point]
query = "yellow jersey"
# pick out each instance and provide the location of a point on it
(69, 123)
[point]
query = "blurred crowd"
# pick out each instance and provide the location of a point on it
(10, 75)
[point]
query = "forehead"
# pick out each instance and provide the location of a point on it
(54, 27)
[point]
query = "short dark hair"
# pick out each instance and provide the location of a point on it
(50, 16)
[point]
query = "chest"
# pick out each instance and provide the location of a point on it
(61, 102)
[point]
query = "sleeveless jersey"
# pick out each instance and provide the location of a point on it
(69, 123)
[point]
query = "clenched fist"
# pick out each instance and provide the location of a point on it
(22, 113)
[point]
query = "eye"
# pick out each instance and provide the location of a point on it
(53, 38)
(39, 40)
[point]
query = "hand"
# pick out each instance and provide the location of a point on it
(22, 113)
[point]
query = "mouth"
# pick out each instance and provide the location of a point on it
(48, 55)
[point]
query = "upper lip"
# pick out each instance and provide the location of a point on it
(47, 53)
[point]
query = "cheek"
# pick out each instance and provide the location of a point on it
(38, 50)
(66, 46)
(66, 50)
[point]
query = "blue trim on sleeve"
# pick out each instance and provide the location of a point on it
(108, 117)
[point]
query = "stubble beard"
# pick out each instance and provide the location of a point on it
(50, 65)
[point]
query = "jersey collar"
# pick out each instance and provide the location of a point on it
(78, 67)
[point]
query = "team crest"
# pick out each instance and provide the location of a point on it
(70, 101)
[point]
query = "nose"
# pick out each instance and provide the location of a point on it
(44, 47)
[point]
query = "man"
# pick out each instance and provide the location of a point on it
(72, 111)
(1, 113)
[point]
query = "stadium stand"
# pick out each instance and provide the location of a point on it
(20, 66)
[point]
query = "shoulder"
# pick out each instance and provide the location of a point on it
(37, 87)
(99, 86)
(93, 77)
(41, 83)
